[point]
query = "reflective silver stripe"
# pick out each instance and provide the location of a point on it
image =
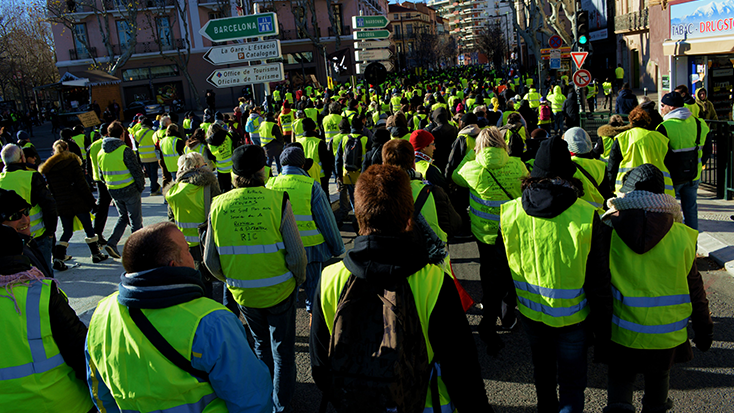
(554, 293)
(492, 204)
(331, 132)
(130, 179)
(309, 233)
(37, 227)
(225, 160)
(595, 204)
(480, 214)
(666, 174)
(300, 134)
(190, 238)
(36, 216)
(123, 172)
(40, 363)
(224, 168)
(195, 407)
(170, 155)
(660, 301)
(623, 170)
(684, 149)
(669, 187)
(261, 283)
(188, 224)
(552, 311)
(146, 146)
(654, 329)
(250, 249)
(304, 217)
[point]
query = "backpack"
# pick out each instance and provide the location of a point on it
(377, 353)
(353, 153)
(545, 112)
(684, 165)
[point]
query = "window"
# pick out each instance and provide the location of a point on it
(397, 30)
(80, 39)
(164, 32)
(338, 15)
(123, 33)
(409, 29)
(410, 47)
(396, 17)
(145, 73)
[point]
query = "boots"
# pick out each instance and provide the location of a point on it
(102, 241)
(97, 255)
(59, 255)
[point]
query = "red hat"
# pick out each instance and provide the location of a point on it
(420, 139)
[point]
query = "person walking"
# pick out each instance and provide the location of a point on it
(315, 148)
(221, 146)
(557, 100)
(561, 273)
(146, 153)
(266, 238)
(348, 164)
(590, 171)
(172, 147)
(626, 101)
(74, 201)
(121, 172)
(103, 194)
(272, 141)
(656, 287)
(161, 304)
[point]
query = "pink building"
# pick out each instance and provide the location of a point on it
(149, 74)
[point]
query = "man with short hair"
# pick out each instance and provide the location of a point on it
(126, 367)
(31, 186)
(686, 134)
(121, 172)
(253, 244)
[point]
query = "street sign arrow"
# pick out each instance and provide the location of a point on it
(582, 78)
(372, 54)
(362, 67)
(244, 52)
(579, 58)
(372, 44)
(246, 75)
(371, 34)
(240, 27)
(369, 22)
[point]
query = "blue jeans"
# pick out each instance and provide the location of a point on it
(129, 206)
(313, 275)
(346, 204)
(688, 195)
(45, 245)
(274, 331)
(151, 171)
(559, 359)
(558, 121)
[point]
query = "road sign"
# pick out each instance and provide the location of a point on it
(562, 49)
(582, 78)
(371, 34)
(372, 44)
(361, 67)
(247, 75)
(372, 55)
(555, 41)
(369, 22)
(240, 27)
(244, 52)
(555, 63)
(579, 58)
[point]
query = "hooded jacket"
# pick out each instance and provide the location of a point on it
(556, 99)
(131, 162)
(571, 110)
(381, 261)
(444, 135)
(641, 231)
(41, 196)
(708, 112)
(460, 148)
(626, 101)
(66, 181)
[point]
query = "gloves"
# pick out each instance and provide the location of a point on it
(703, 340)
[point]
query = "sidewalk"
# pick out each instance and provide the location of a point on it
(716, 237)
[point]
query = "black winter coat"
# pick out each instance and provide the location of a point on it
(66, 181)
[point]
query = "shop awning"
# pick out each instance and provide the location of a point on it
(88, 78)
(702, 46)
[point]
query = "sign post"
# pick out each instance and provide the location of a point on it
(246, 75)
(579, 58)
(244, 52)
(241, 27)
(369, 22)
(582, 78)
(371, 51)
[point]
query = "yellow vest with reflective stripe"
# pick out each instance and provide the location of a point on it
(150, 382)
(331, 126)
(596, 169)
(199, 148)
(289, 97)
(311, 150)
(79, 139)
(682, 136)
(429, 209)
(547, 259)
(395, 103)
(266, 133)
(286, 121)
(144, 142)
(33, 374)
(694, 108)
(425, 285)
(187, 124)
(299, 188)
(113, 169)
(223, 153)
(94, 150)
(21, 182)
(652, 302)
(205, 126)
(298, 127)
(246, 224)
(313, 114)
(187, 205)
(158, 136)
(640, 146)
(170, 155)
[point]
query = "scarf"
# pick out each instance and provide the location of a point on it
(644, 200)
(423, 156)
(11, 281)
(160, 287)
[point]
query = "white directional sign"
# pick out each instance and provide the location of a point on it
(372, 44)
(361, 67)
(372, 54)
(245, 52)
(247, 75)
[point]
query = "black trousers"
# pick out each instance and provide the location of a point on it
(104, 201)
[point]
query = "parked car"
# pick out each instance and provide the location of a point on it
(148, 108)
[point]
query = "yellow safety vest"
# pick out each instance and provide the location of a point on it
(311, 150)
(187, 205)
(79, 140)
(596, 169)
(547, 259)
(682, 137)
(651, 299)
(331, 126)
(298, 127)
(170, 155)
(640, 146)
(299, 188)
(286, 121)
(246, 224)
(144, 142)
(266, 132)
(313, 114)
(223, 155)
(114, 171)
(94, 150)
(21, 182)
(205, 126)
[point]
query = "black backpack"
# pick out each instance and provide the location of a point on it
(377, 352)
(352, 155)
(683, 166)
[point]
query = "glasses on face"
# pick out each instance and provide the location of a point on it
(18, 215)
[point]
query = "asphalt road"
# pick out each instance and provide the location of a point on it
(704, 385)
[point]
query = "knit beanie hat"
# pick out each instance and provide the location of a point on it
(553, 160)
(469, 119)
(646, 177)
(10, 203)
(420, 139)
(294, 156)
(578, 141)
(248, 159)
(308, 125)
(672, 99)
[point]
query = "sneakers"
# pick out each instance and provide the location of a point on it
(156, 192)
(112, 251)
(60, 266)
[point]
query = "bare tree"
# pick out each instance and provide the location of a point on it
(491, 41)
(424, 49)
(532, 17)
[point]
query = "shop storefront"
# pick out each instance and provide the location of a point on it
(701, 50)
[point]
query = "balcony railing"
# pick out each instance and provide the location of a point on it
(75, 54)
(149, 47)
(632, 22)
(346, 30)
(122, 4)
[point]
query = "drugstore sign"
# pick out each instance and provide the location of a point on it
(701, 18)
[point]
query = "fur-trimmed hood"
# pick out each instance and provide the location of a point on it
(61, 159)
(202, 176)
(611, 131)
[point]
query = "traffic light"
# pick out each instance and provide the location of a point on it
(582, 28)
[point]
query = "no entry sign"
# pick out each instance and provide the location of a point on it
(582, 78)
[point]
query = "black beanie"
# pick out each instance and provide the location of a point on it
(308, 125)
(646, 177)
(553, 160)
(469, 119)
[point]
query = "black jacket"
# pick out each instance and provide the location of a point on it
(382, 260)
(626, 101)
(66, 181)
(41, 196)
(571, 110)
(444, 135)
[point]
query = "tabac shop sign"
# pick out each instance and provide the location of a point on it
(701, 18)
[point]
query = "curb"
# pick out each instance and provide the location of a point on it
(717, 250)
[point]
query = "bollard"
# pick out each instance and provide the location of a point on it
(645, 89)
